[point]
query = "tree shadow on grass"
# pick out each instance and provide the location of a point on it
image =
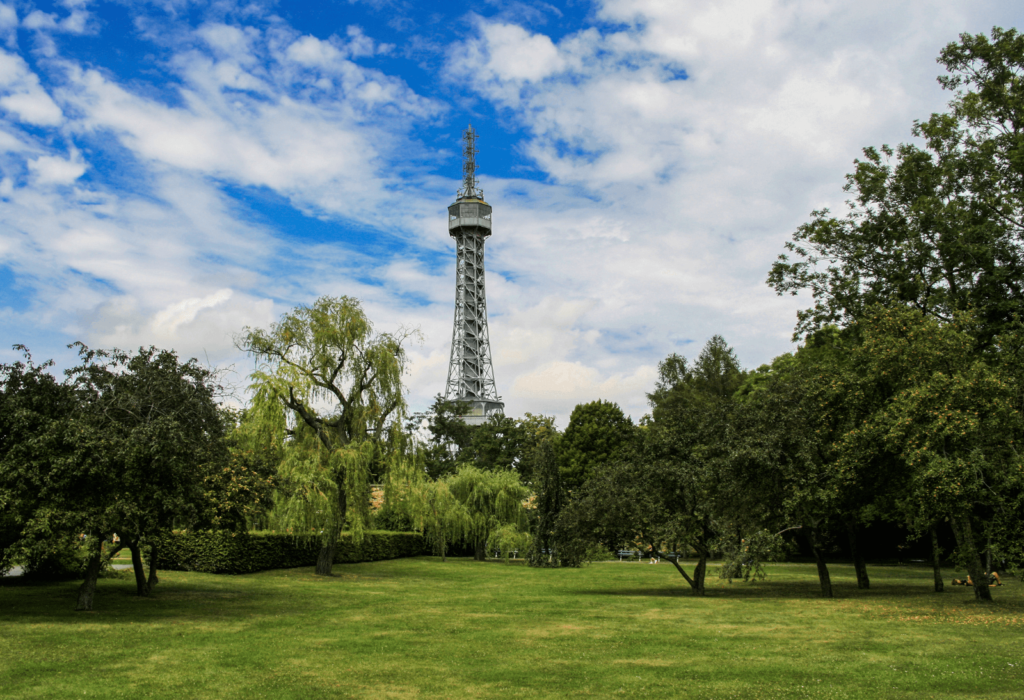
(116, 602)
(760, 590)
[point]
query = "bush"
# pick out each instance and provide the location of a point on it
(390, 519)
(62, 558)
(223, 552)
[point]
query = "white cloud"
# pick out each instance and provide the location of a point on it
(23, 96)
(9, 24)
(515, 54)
(76, 22)
(310, 51)
(552, 382)
(54, 170)
(166, 322)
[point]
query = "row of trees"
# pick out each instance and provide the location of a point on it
(904, 402)
(128, 444)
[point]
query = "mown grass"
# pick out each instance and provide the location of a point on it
(422, 628)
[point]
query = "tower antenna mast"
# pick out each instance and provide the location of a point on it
(469, 151)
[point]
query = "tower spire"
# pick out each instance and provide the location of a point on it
(470, 373)
(469, 188)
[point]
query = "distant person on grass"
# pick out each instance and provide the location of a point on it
(993, 580)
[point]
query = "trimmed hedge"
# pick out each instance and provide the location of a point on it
(222, 552)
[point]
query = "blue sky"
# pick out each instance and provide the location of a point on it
(171, 172)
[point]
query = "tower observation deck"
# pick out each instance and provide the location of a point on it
(470, 373)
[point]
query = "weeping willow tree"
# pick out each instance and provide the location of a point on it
(471, 506)
(490, 500)
(327, 394)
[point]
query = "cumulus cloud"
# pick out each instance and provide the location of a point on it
(75, 22)
(54, 170)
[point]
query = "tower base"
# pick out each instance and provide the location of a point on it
(478, 411)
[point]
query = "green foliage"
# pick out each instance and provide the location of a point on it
(450, 436)
(597, 432)
(746, 559)
(671, 488)
(327, 396)
(507, 539)
(327, 353)
(548, 502)
(241, 492)
(156, 429)
(221, 552)
(59, 557)
(501, 442)
(934, 228)
(38, 450)
(682, 392)
(948, 416)
(539, 435)
(391, 518)
(467, 506)
(123, 445)
(487, 501)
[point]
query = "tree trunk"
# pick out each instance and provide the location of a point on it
(699, 573)
(936, 554)
(141, 587)
(154, 552)
(863, 582)
(325, 562)
(819, 557)
(87, 591)
(480, 553)
(969, 551)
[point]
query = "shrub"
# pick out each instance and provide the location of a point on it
(61, 558)
(390, 518)
(223, 552)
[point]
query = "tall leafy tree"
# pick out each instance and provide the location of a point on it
(327, 392)
(780, 471)
(549, 499)
(939, 227)
(952, 420)
(154, 425)
(39, 465)
(449, 437)
(665, 486)
(501, 442)
(596, 433)
(240, 492)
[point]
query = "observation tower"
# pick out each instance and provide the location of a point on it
(470, 373)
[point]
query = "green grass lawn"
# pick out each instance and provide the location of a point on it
(422, 628)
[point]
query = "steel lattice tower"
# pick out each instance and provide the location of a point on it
(470, 373)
